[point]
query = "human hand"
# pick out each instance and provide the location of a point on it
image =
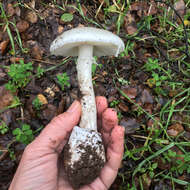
(40, 167)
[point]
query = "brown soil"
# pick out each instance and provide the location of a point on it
(86, 169)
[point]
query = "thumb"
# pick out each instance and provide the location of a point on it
(56, 133)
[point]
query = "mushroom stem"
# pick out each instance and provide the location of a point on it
(84, 73)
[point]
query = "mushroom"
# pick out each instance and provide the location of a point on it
(84, 155)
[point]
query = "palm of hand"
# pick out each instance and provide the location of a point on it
(41, 168)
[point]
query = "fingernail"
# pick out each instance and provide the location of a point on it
(73, 107)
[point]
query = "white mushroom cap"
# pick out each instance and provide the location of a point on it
(104, 42)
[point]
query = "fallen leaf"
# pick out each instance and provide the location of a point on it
(163, 164)
(6, 98)
(31, 17)
(32, 3)
(61, 106)
(146, 97)
(22, 26)
(146, 180)
(17, 11)
(10, 10)
(131, 29)
(49, 112)
(36, 50)
(179, 6)
(2, 74)
(15, 59)
(175, 129)
(7, 117)
(173, 93)
(141, 8)
(123, 107)
(148, 108)
(42, 99)
(3, 46)
(130, 125)
(131, 92)
(152, 8)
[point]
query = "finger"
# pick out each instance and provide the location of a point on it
(101, 104)
(114, 156)
(109, 120)
(62, 177)
(56, 133)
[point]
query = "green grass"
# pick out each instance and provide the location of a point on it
(163, 42)
(7, 24)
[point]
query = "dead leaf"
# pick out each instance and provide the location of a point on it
(42, 99)
(32, 4)
(163, 164)
(84, 9)
(123, 107)
(10, 10)
(7, 117)
(15, 59)
(31, 17)
(129, 18)
(130, 125)
(6, 98)
(175, 129)
(152, 8)
(36, 50)
(146, 97)
(146, 180)
(148, 108)
(17, 11)
(61, 106)
(179, 6)
(131, 29)
(131, 92)
(141, 7)
(2, 74)
(22, 26)
(3, 46)
(49, 112)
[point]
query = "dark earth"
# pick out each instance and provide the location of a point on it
(85, 170)
(153, 109)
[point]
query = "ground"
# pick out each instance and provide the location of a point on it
(147, 84)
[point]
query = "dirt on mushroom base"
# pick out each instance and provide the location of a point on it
(86, 169)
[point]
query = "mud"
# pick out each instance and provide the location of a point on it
(85, 170)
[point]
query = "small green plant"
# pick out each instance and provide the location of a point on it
(114, 103)
(152, 64)
(7, 24)
(129, 49)
(63, 80)
(24, 134)
(150, 169)
(40, 71)
(3, 127)
(37, 104)
(67, 17)
(95, 66)
(20, 75)
(159, 75)
(12, 154)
